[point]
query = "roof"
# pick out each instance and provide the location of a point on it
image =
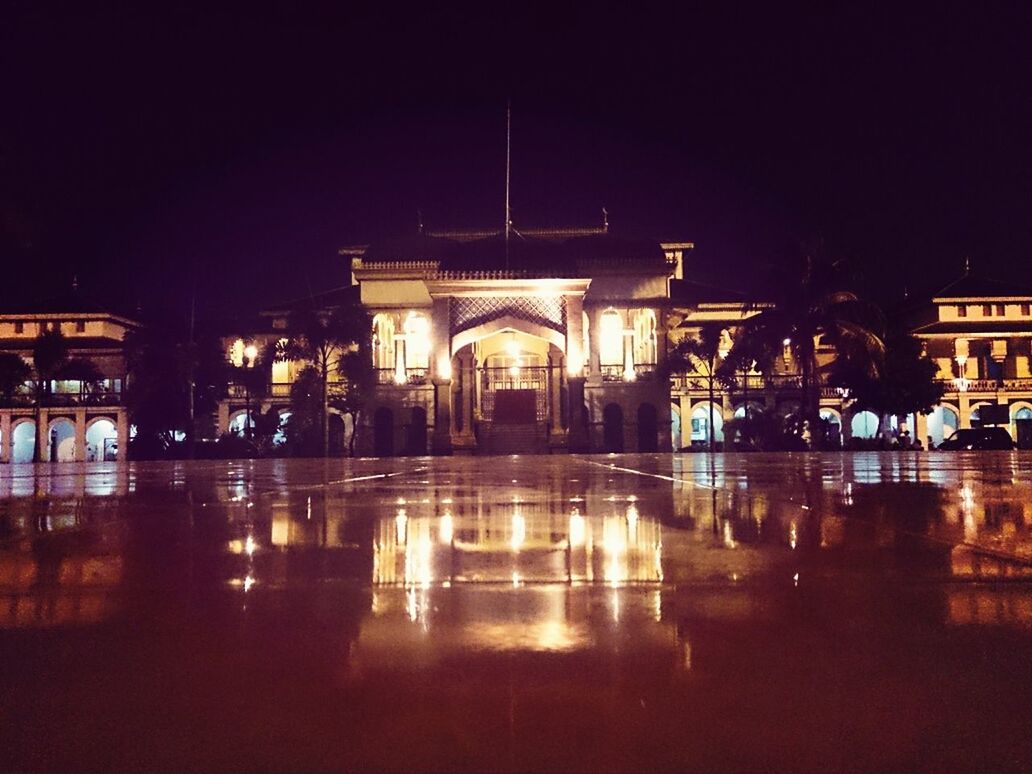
(70, 303)
(971, 286)
(553, 252)
(975, 326)
(691, 292)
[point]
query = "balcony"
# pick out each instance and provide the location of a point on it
(413, 376)
(273, 390)
(105, 397)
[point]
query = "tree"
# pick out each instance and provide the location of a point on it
(14, 372)
(356, 369)
(906, 383)
(304, 425)
(702, 353)
(83, 371)
(49, 355)
(322, 338)
(811, 303)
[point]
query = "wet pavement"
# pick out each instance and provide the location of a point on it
(621, 613)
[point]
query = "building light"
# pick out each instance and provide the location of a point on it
(514, 370)
(251, 354)
(444, 369)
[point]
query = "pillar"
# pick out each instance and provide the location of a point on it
(921, 429)
(43, 435)
(122, 429)
(595, 364)
(443, 427)
(463, 440)
(5, 437)
(965, 411)
(223, 421)
(80, 435)
(685, 404)
(576, 358)
(578, 435)
(557, 436)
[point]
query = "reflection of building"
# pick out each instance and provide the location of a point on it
(80, 418)
(518, 543)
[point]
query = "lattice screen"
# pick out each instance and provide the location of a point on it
(549, 311)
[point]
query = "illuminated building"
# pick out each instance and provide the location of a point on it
(79, 420)
(979, 332)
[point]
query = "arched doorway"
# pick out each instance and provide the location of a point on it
(238, 423)
(612, 428)
(864, 425)
(647, 428)
(23, 441)
(415, 433)
(383, 432)
(832, 428)
(101, 441)
(700, 424)
(280, 436)
(61, 446)
(1021, 427)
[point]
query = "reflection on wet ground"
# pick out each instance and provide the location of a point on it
(621, 613)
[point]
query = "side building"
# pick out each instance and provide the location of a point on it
(78, 412)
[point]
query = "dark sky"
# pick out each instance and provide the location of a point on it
(236, 148)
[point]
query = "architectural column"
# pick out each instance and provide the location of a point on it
(578, 432)
(557, 436)
(921, 429)
(443, 427)
(576, 358)
(463, 440)
(122, 429)
(595, 365)
(5, 437)
(440, 332)
(80, 435)
(965, 411)
(223, 421)
(43, 436)
(685, 404)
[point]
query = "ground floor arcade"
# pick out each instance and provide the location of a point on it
(63, 435)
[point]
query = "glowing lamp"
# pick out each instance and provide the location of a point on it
(251, 353)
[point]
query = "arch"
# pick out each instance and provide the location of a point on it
(383, 432)
(280, 436)
(237, 423)
(415, 433)
(648, 440)
(864, 424)
(23, 440)
(700, 423)
(675, 426)
(974, 416)
(612, 428)
(60, 441)
(755, 407)
(1021, 423)
(506, 322)
(942, 423)
(833, 430)
(101, 440)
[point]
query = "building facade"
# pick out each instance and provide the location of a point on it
(71, 419)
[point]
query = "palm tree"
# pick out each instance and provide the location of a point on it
(702, 353)
(812, 304)
(323, 338)
(49, 356)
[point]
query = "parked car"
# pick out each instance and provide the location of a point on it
(978, 439)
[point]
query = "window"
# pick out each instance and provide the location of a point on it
(645, 337)
(80, 326)
(383, 341)
(1000, 310)
(610, 338)
(987, 310)
(19, 327)
(417, 341)
(961, 311)
(1026, 309)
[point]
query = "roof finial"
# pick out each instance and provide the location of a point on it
(605, 220)
(967, 265)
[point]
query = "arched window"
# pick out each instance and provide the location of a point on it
(383, 341)
(236, 353)
(610, 339)
(417, 341)
(645, 337)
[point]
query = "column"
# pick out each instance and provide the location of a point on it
(43, 436)
(921, 429)
(965, 411)
(440, 332)
(122, 429)
(223, 421)
(576, 358)
(5, 437)
(463, 440)
(595, 365)
(557, 436)
(578, 434)
(443, 426)
(80, 435)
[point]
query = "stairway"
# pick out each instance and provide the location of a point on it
(514, 439)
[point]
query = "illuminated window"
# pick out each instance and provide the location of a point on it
(610, 338)
(417, 341)
(383, 341)
(645, 337)
(236, 353)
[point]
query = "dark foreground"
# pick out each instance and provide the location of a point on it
(790, 612)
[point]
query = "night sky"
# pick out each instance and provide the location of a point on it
(235, 149)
